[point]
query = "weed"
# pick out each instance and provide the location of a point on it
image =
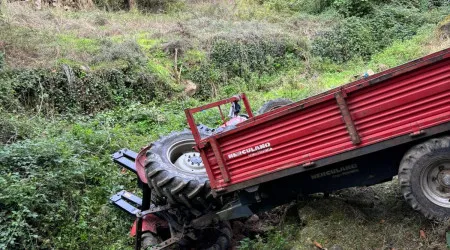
(77, 86)
(358, 37)
(2, 61)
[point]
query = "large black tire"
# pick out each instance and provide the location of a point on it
(177, 186)
(273, 104)
(215, 237)
(424, 177)
(149, 240)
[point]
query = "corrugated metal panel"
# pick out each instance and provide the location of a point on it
(390, 108)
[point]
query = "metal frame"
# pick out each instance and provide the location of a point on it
(347, 117)
(201, 143)
(191, 120)
(126, 158)
(174, 237)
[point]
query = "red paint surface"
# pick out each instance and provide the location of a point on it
(150, 223)
(405, 99)
(140, 164)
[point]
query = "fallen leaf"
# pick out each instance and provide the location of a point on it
(422, 234)
(318, 245)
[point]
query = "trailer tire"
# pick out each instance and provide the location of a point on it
(424, 177)
(178, 186)
(273, 104)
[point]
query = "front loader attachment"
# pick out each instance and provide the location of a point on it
(125, 200)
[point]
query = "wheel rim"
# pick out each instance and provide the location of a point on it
(184, 158)
(435, 183)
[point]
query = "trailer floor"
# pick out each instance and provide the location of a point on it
(374, 217)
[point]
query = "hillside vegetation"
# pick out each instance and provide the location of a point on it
(79, 84)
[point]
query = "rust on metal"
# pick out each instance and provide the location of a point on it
(347, 118)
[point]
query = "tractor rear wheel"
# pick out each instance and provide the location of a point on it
(175, 172)
(424, 177)
(273, 104)
(215, 237)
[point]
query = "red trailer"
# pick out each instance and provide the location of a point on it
(359, 134)
(406, 101)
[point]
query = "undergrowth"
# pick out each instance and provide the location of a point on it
(79, 85)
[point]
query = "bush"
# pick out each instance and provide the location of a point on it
(32, 200)
(352, 38)
(159, 5)
(358, 37)
(145, 5)
(2, 61)
(127, 51)
(53, 196)
(419, 4)
(397, 23)
(244, 58)
(353, 7)
(239, 56)
(73, 90)
(309, 6)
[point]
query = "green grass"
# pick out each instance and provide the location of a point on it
(390, 224)
(55, 168)
(70, 41)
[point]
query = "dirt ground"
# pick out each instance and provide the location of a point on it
(375, 217)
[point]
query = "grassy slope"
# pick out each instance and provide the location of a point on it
(68, 175)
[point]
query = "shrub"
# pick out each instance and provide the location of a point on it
(352, 38)
(6, 131)
(397, 23)
(2, 61)
(53, 195)
(159, 5)
(353, 7)
(244, 58)
(207, 78)
(358, 37)
(239, 56)
(419, 4)
(74, 90)
(128, 51)
(309, 6)
(145, 5)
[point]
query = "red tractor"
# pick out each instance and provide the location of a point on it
(396, 122)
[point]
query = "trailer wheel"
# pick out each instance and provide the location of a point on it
(175, 172)
(424, 177)
(273, 104)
